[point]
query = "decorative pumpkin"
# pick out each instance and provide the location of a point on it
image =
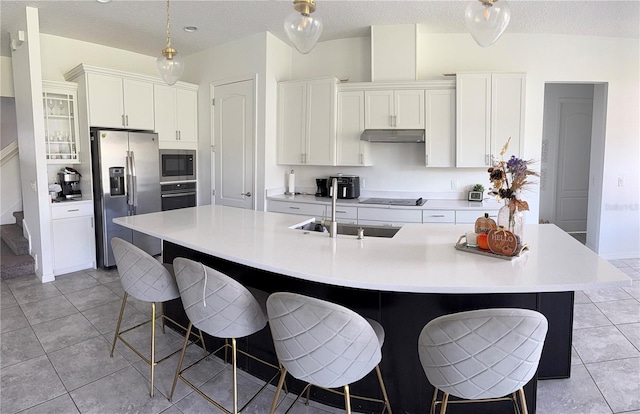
(482, 241)
(485, 224)
(502, 242)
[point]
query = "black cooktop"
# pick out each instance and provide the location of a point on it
(394, 201)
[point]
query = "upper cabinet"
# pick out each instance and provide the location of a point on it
(307, 122)
(350, 149)
(117, 102)
(394, 109)
(176, 116)
(489, 111)
(440, 129)
(60, 104)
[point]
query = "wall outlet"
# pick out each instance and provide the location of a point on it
(454, 184)
(620, 181)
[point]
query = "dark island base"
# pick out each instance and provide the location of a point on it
(403, 316)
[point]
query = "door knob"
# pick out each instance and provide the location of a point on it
(248, 194)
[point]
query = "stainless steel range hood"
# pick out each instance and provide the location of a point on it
(393, 135)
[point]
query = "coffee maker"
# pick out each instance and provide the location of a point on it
(70, 181)
(323, 187)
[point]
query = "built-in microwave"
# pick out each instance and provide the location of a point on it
(177, 165)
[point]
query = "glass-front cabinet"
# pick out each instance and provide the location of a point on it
(60, 122)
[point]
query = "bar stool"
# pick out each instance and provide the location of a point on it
(324, 344)
(482, 355)
(223, 308)
(148, 280)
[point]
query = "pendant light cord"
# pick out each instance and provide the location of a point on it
(168, 26)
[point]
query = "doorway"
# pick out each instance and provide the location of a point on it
(233, 131)
(572, 158)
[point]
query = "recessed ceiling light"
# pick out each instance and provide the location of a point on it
(190, 29)
(103, 1)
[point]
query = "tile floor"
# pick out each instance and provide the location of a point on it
(55, 340)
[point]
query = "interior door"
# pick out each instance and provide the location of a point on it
(572, 189)
(234, 138)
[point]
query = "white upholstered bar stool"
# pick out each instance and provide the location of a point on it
(482, 355)
(223, 308)
(148, 280)
(324, 344)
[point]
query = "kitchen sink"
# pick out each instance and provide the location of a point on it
(352, 229)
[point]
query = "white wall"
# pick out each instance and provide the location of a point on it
(6, 76)
(344, 58)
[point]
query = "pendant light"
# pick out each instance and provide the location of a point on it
(170, 66)
(301, 28)
(487, 20)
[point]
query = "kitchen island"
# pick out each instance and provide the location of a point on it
(403, 282)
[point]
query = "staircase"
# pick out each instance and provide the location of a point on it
(15, 260)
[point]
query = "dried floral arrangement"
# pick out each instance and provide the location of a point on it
(509, 178)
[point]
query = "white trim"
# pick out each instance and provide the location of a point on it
(9, 152)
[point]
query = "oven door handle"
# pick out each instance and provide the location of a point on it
(177, 195)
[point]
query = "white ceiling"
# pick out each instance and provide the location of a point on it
(140, 26)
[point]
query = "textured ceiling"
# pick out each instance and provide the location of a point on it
(139, 26)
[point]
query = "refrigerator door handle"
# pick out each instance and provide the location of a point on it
(131, 186)
(134, 187)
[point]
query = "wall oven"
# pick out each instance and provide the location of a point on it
(178, 195)
(177, 165)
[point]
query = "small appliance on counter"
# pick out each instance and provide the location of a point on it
(323, 187)
(348, 186)
(69, 179)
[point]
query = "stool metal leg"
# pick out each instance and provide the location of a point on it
(523, 401)
(387, 406)
(347, 400)
(234, 371)
(153, 343)
(283, 374)
(179, 367)
(115, 337)
(445, 400)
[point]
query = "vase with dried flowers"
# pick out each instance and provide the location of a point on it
(509, 178)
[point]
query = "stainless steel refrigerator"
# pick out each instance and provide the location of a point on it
(126, 182)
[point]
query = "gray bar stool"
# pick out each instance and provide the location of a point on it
(148, 280)
(223, 308)
(324, 344)
(482, 355)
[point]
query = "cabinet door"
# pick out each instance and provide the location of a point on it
(473, 118)
(292, 112)
(507, 112)
(187, 115)
(349, 148)
(138, 104)
(165, 113)
(379, 109)
(73, 244)
(409, 109)
(321, 122)
(440, 128)
(106, 103)
(303, 209)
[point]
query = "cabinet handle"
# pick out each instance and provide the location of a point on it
(91, 222)
(340, 211)
(395, 120)
(391, 120)
(427, 156)
(176, 135)
(126, 117)
(123, 124)
(486, 159)
(180, 135)
(294, 208)
(361, 159)
(75, 209)
(437, 215)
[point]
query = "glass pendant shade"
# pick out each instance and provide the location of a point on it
(487, 20)
(303, 30)
(170, 69)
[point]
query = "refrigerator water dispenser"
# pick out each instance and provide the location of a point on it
(116, 181)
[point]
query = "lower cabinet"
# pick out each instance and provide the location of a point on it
(470, 216)
(72, 237)
(388, 216)
(438, 216)
(303, 209)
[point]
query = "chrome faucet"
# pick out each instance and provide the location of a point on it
(333, 224)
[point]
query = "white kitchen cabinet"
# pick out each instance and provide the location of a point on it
(385, 216)
(440, 128)
(305, 209)
(470, 216)
(72, 236)
(176, 116)
(350, 149)
(307, 122)
(394, 109)
(489, 110)
(60, 104)
(118, 102)
(438, 216)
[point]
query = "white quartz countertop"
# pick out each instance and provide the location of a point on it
(419, 258)
(430, 204)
